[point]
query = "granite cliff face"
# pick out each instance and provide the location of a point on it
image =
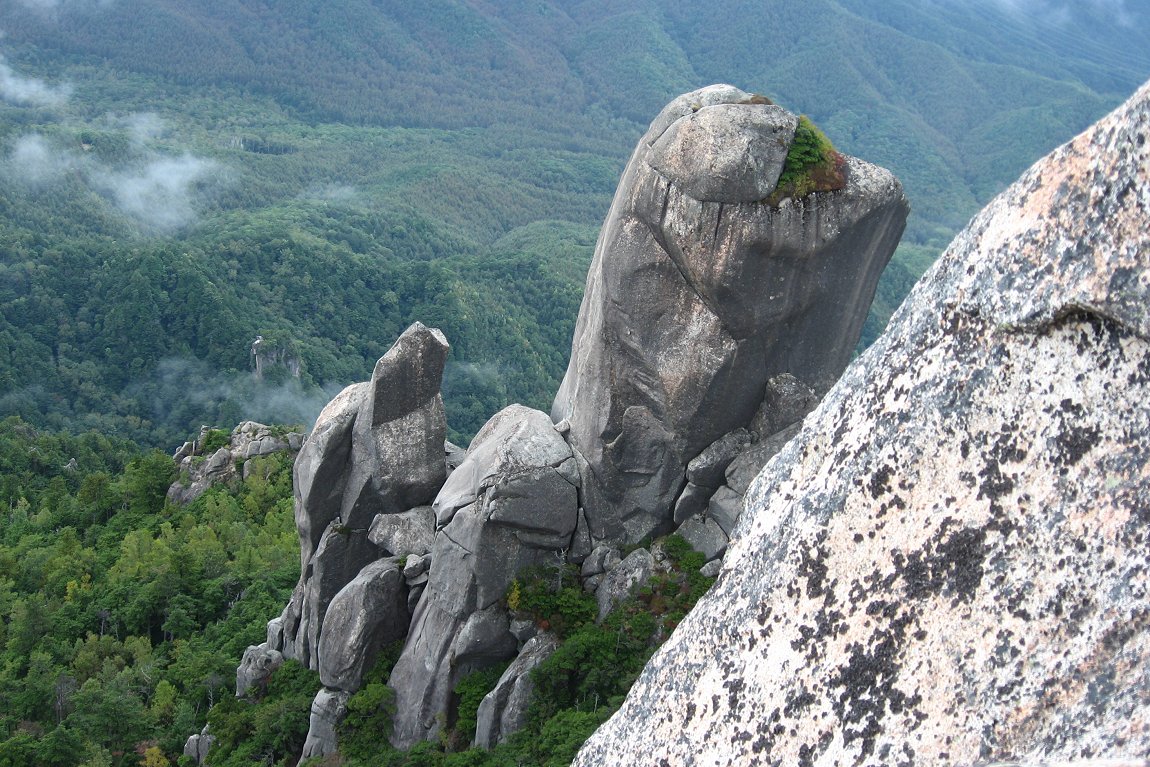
(712, 320)
(949, 563)
(700, 291)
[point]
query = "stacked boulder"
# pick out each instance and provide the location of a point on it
(713, 317)
(364, 480)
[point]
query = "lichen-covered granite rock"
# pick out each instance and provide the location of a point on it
(701, 290)
(949, 564)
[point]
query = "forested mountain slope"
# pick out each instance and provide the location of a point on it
(178, 178)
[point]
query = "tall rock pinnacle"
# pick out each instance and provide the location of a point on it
(702, 289)
(948, 565)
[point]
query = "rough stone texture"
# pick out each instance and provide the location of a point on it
(622, 580)
(786, 401)
(200, 472)
(327, 711)
(368, 614)
(949, 563)
(441, 648)
(512, 503)
(257, 665)
(706, 536)
(408, 532)
(503, 711)
(708, 468)
(693, 302)
(398, 456)
(320, 471)
(726, 504)
(197, 746)
(377, 449)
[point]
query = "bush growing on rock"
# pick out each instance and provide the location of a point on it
(812, 165)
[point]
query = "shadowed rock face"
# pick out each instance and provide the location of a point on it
(949, 563)
(512, 503)
(377, 448)
(699, 292)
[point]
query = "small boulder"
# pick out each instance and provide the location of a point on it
(327, 711)
(632, 573)
(256, 667)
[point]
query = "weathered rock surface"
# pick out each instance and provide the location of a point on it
(327, 711)
(512, 503)
(408, 532)
(699, 292)
(949, 563)
(198, 471)
(256, 667)
(377, 448)
(623, 579)
(503, 711)
(370, 613)
(197, 746)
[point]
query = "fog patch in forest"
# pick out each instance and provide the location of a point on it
(29, 91)
(232, 396)
(160, 194)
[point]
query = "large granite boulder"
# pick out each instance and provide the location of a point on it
(377, 448)
(512, 503)
(700, 291)
(370, 613)
(949, 563)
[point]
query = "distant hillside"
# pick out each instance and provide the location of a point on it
(177, 178)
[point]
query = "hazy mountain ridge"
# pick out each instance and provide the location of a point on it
(253, 139)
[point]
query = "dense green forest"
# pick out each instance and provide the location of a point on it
(178, 178)
(125, 616)
(181, 177)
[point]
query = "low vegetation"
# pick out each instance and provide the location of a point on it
(812, 165)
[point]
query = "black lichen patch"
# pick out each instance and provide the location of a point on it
(996, 483)
(880, 481)
(1075, 441)
(952, 566)
(867, 682)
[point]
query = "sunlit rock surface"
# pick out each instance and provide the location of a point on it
(949, 563)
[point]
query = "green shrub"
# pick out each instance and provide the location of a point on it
(214, 440)
(471, 689)
(553, 597)
(812, 165)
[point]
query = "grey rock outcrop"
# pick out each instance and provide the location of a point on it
(377, 448)
(408, 532)
(327, 711)
(512, 503)
(198, 471)
(197, 746)
(948, 564)
(700, 291)
(256, 667)
(623, 579)
(503, 711)
(370, 613)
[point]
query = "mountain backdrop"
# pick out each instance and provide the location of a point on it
(178, 179)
